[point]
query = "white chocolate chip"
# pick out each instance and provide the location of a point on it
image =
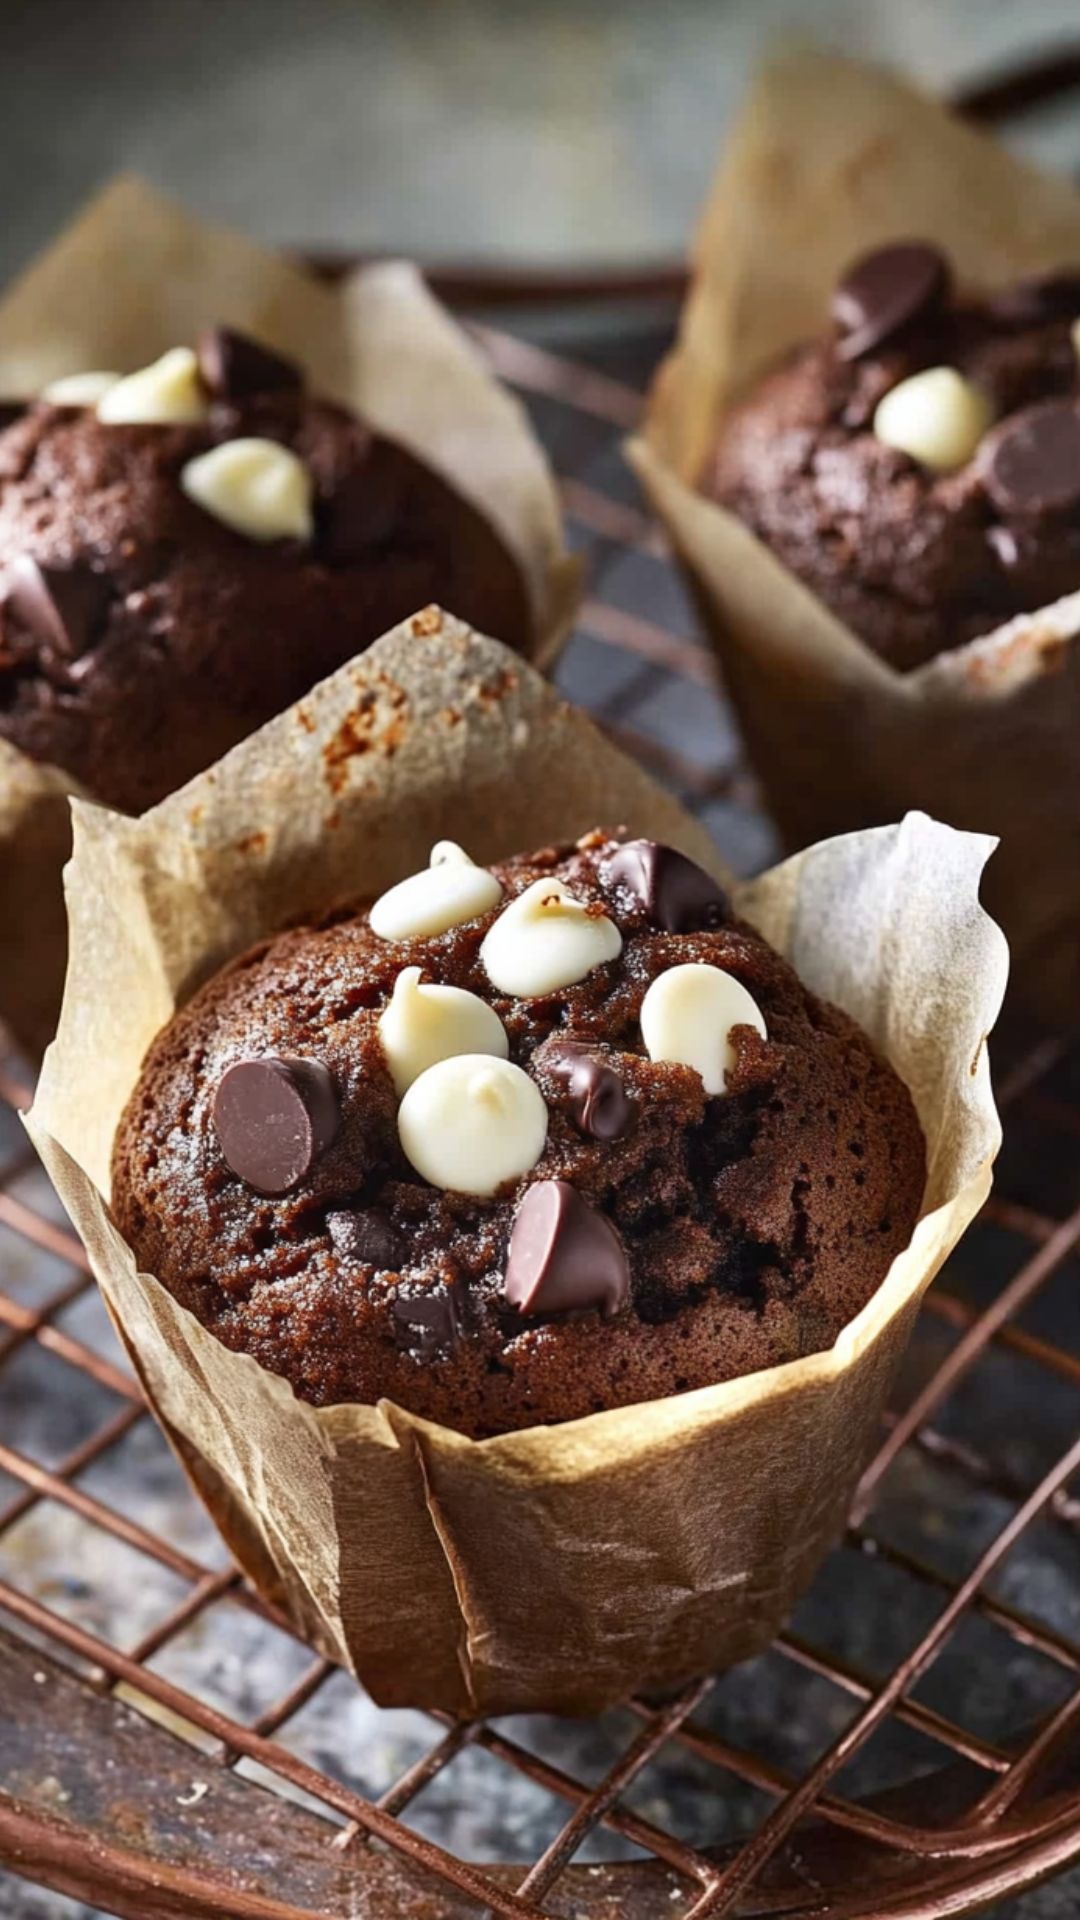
(425, 1024)
(256, 487)
(444, 895)
(687, 1016)
(168, 393)
(545, 940)
(937, 417)
(80, 389)
(471, 1122)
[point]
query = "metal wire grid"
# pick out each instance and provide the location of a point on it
(1020, 1817)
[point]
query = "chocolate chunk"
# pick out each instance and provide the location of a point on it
(1036, 302)
(430, 1322)
(235, 367)
(365, 1233)
(355, 519)
(600, 1105)
(884, 292)
(58, 606)
(676, 893)
(1030, 464)
(273, 1118)
(10, 411)
(563, 1256)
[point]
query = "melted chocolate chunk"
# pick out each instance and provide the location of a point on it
(1031, 463)
(365, 1233)
(235, 367)
(675, 892)
(273, 1118)
(355, 520)
(563, 1256)
(430, 1323)
(58, 606)
(884, 292)
(599, 1103)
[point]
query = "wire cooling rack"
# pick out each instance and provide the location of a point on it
(910, 1746)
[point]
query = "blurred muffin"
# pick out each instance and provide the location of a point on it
(918, 466)
(185, 552)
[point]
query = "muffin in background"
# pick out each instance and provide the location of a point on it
(186, 551)
(917, 466)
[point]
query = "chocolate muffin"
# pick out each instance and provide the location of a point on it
(918, 467)
(185, 552)
(517, 1145)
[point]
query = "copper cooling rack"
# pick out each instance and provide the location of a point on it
(910, 1747)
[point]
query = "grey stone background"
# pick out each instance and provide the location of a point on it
(468, 129)
(497, 128)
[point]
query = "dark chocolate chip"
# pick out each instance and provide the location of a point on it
(676, 893)
(273, 1118)
(885, 291)
(1036, 302)
(563, 1256)
(235, 367)
(1031, 463)
(430, 1322)
(10, 411)
(365, 1233)
(598, 1100)
(355, 519)
(59, 606)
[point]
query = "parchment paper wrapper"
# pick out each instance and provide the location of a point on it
(560, 1567)
(828, 159)
(136, 275)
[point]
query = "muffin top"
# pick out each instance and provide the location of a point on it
(519, 1144)
(918, 466)
(186, 551)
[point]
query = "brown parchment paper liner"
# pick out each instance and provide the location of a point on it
(829, 158)
(135, 275)
(560, 1567)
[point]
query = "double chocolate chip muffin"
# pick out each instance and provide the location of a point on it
(517, 1145)
(186, 551)
(918, 467)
